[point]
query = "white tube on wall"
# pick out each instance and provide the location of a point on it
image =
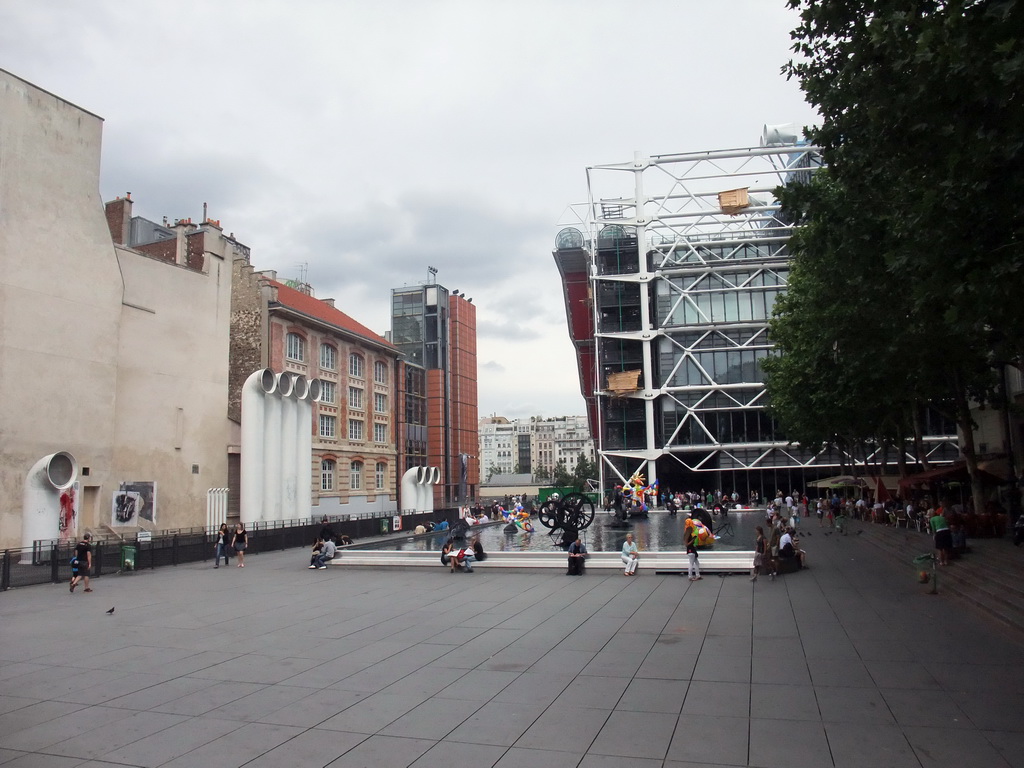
(288, 447)
(271, 508)
(252, 490)
(417, 491)
(40, 511)
(277, 445)
(304, 450)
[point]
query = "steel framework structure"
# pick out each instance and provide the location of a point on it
(681, 282)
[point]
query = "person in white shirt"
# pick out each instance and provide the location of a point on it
(789, 548)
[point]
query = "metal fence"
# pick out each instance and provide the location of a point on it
(49, 562)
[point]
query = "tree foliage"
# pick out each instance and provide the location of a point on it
(561, 477)
(907, 272)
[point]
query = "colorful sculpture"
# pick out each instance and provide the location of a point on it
(518, 517)
(704, 536)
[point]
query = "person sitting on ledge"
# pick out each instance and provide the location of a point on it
(326, 554)
(318, 547)
(344, 540)
(577, 557)
(790, 548)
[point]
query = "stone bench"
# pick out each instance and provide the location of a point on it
(659, 562)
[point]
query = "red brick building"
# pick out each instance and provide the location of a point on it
(354, 461)
(436, 329)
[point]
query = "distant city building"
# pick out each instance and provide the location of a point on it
(435, 330)
(533, 445)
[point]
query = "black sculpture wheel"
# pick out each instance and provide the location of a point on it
(575, 511)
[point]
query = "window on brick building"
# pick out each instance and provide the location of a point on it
(380, 372)
(295, 347)
(355, 365)
(328, 392)
(380, 433)
(328, 426)
(355, 429)
(355, 398)
(355, 481)
(328, 357)
(327, 468)
(382, 475)
(380, 403)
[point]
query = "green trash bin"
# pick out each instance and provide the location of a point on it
(128, 558)
(385, 525)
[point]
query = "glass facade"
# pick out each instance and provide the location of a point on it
(681, 288)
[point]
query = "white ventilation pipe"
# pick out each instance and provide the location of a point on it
(252, 490)
(417, 493)
(40, 511)
(277, 445)
(289, 445)
(309, 394)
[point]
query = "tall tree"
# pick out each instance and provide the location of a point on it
(923, 134)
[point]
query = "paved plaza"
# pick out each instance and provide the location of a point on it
(848, 663)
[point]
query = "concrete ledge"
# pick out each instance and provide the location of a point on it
(659, 562)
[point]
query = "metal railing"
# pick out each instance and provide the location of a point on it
(49, 561)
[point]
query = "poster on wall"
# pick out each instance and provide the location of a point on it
(134, 503)
(70, 500)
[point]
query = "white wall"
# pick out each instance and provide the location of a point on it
(92, 362)
(60, 293)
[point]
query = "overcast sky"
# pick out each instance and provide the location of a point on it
(364, 141)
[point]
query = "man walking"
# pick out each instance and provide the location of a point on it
(82, 566)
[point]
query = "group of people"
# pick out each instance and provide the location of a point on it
(228, 542)
(781, 544)
(460, 555)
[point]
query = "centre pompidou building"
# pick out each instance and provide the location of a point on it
(670, 272)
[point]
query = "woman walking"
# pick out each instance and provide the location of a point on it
(238, 543)
(222, 548)
(760, 547)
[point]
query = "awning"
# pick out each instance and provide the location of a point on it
(951, 473)
(839, 481)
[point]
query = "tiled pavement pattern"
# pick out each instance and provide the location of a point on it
(845, 664)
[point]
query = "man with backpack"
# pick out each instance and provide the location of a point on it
(81, 563)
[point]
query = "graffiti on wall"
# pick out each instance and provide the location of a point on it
(134, 503)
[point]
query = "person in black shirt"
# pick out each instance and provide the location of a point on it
(239, 543)
(83, 563)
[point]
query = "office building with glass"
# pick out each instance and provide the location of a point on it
(671, 270)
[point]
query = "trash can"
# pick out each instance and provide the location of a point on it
(926, 571)
(127, 558)
(385, 525)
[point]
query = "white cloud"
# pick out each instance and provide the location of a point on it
(368, 141)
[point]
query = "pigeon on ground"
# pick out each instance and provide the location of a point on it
(111, 611)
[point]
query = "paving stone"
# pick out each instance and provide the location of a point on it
(564, 729)
(497, 723)
(523, 669)
(646, 695)
(794, 744)
(709, 739)
(635, 735)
